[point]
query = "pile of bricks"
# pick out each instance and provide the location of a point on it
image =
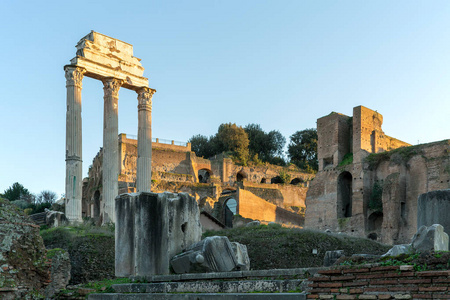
(379, 282)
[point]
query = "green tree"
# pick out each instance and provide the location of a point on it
(302, 149)
(18, 192)
(234, 139)
(202, 145)
(267, 146)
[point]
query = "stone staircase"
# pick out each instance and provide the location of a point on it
(259, 284)
(38, 218)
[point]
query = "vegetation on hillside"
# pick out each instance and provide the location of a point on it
(276, 247)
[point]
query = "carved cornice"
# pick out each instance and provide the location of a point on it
(74, 76)
(111, 87)
(145, 95)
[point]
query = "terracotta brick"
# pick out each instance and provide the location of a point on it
(364, 270)
(414, 281)
(320, 290)
(313, 285)
(330, 272)
(441, 296)
(384, 296)
(370, 276)
(346, 297)
(321, 278)
(356, 291)
(334, 290)
(384, 268)
(326, 296)
(309, 296)
(367, 297)
(402, 274)
(404, 288)
(342, 278)
(441, 280)
(433, 273)
(355, 283)
(422, 296)
(330, 284)
(383, 282)
(432, 288)
(402, 296)
(376, 289)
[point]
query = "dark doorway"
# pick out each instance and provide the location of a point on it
(344, 195)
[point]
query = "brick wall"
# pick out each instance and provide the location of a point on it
(380, 282)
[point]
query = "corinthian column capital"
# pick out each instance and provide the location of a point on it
(145, 95)
(74, 76)
(111, 87)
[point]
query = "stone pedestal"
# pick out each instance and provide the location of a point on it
(144, 159)
(434, 208)
(152, 228)
(74, 178)
(110, 147)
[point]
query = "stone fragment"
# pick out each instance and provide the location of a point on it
(213, 254)
(430, 238)
(399, 249)
(151, 228)
(59, 270)
(331, 257)
(253, 223)
(433, 208)
(55, 218)
(241, 254)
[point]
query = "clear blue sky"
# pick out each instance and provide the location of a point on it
(280, 64)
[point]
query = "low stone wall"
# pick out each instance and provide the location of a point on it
(380, 282)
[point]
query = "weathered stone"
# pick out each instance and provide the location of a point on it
(151, 228)
(24, 268)
(433, 208)
(59, 270)
(399, 249)
(253, 223)
(55, 218)
(430, 238)
(331, 257)
(241, 254)
(213, 254)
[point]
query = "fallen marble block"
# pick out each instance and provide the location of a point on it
(213, 254)
(430, 238)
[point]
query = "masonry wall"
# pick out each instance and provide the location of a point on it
(380, 282)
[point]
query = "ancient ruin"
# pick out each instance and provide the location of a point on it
(221, 187)
(368, 183)
(111, 61)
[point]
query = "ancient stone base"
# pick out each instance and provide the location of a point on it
(433, 208)
(152, 228)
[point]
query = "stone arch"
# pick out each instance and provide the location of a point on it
(231, 208)
(204, 175)
(263, 180)
(297, 181)
(276, 179)
(240, 176)
(344, 195)
(375, 221)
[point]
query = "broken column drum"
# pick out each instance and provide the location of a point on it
(111, 61)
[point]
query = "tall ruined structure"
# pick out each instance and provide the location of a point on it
(368, 183)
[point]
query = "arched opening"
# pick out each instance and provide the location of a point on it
(204, 176)
(263, 180)
(375, 221)
(276, 179)
(296, 181)
(344, 195)
(230, 209)
(96, 204)
(240, 176)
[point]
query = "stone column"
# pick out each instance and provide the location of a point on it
(110, 164)
(74, 179)
(144, 160)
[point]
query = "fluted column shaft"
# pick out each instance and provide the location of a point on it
(74, 179)
(144, 160)
(110, 164)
